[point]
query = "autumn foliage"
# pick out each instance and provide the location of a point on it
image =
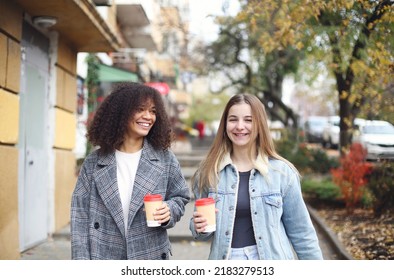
(351, 175)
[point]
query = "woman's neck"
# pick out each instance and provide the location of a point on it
(241, 159)
(131, 145)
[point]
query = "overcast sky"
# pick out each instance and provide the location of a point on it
(201, 22)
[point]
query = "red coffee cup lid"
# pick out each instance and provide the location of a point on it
(204, 201)
(153, 197)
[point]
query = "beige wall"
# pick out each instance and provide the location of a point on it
(10, 57)
(9, 121)
(65, 127)
(9, 227)
(65, 132)
(65, 179)
(3, 58)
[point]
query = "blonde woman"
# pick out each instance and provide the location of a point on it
(260, 210)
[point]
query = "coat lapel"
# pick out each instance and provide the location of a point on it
(150, 170)
(107, 187)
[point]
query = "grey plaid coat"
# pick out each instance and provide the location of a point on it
(97, 226)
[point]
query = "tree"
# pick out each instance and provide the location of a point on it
(237, 54)
(92, 84)
(354, 38)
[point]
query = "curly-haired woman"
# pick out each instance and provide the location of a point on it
(133, 135)
(260, 210)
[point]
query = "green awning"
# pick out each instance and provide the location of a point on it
(112, 74)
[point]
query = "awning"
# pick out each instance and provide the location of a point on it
(163, 88)
(111, 74)
(77, 21)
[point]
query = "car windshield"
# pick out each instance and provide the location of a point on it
(317, 122)
(378, 129)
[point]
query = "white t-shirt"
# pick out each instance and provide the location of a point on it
(126, 164)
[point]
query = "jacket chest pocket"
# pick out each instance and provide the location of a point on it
(272, 203)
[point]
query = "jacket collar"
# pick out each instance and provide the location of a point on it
(260, 164)
(147, 150)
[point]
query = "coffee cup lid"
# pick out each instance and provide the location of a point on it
(204, 201)
(153, 197)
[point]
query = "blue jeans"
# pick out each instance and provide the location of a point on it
(245, 253)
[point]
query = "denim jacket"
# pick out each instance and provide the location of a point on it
(281, 222)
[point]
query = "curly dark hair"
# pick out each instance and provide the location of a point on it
(111, 120)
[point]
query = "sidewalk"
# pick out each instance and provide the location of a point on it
(58, 247)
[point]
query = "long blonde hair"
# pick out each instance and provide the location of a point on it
(207, 173)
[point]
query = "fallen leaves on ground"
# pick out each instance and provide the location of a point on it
(364, 236)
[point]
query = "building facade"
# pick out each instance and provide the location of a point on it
(39, 42)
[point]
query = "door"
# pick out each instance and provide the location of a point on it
(33, 158)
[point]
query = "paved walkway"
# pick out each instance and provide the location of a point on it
(58, 247)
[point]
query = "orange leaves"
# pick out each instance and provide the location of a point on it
(351, 175)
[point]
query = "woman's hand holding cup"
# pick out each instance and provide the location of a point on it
(205, 216)
(199, 222)
(162, 213)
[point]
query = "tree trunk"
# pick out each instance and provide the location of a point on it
(346, 117)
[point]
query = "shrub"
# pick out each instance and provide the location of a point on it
(381, 185)
(350, 176)
(323, 190)
(306, 158)
(321, 162)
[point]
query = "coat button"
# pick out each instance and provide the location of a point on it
(163, 256)
(96, 225)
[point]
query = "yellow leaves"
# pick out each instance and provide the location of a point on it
(299, 45)
(253, 25)
(349, 4)
(344, 95)
(347, 121)
(358, 67)
(267, 43)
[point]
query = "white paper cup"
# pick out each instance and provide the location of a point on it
(206, 206)
(152, 202)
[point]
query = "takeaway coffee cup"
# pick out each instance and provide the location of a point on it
(206, 206)
(152, 202)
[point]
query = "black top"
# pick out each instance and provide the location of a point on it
(243, 234)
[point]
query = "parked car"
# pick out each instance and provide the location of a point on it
(313, 128)
(331, 131)
(378, 138)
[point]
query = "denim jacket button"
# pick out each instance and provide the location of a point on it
(233, 186)
(227, 233)
(255, 213)
(231, 208)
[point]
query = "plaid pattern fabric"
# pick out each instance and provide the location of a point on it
(97, 226)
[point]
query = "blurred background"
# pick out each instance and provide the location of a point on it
(323, 71)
